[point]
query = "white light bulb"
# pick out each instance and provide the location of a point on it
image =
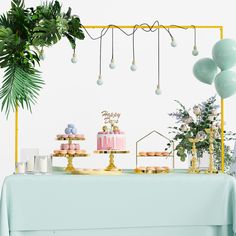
(195, 51)
(112, 64)
(99, 81)
(42, 55)
(133, 67)
(74, 59)
(158, 90)
(173, 43)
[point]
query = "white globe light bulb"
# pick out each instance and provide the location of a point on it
(112, 64)
(133, 67)
(74, 59)
(99, 81)
(195, 51)
(158, 90)
(42, 55)
(173, 43)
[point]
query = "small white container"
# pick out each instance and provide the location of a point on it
(20, 168)
(43, 164)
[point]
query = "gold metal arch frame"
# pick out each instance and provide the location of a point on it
(220, 28)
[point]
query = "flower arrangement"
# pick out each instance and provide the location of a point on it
(24, 32)
(192, 123)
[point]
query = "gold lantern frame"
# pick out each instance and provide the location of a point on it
(217, 27)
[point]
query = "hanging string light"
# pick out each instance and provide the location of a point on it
(100, 81)
(158, 89)
(112, 63)
(42, 54)
(74, 58)
(133, 67)
(195, 51)
(146, 28)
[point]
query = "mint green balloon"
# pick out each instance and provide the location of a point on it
(225, 83)
(205, 70)
(224, 53)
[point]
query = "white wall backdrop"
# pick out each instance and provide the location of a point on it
(71, 94)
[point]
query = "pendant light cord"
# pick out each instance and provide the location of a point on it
(112, 45)
(133, 43)
(158, 58)
(100, 55)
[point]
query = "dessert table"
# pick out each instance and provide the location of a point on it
(163, 204)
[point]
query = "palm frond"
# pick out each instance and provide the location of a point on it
(46, 33)
(19, 87)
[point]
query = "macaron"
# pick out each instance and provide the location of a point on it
(72, 147)
(71, 136)
(64, 146)
(71, 152)
(56, 152)
(142, 153)
(64, 136)
(151, 153)
(74, 131)
(77, 146)
(68, 130)
(63, 152)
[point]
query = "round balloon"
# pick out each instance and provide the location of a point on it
(224, 53)
(225, 83)
(205, 70)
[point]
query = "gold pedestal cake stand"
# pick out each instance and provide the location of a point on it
(70, 167)
(111, 166)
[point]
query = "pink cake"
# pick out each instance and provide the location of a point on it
(114, 140)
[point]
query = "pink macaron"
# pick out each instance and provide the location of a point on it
(77, 147)
(72, 147)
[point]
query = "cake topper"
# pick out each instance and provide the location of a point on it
(111, 118)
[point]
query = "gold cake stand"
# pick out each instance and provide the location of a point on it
(70, 158)
(111, 166)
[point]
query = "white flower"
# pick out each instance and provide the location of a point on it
(211, 118)
(184, 128)
(216, 135)
(196, 110)
(214, 112)
(201, 135)
(188, 120)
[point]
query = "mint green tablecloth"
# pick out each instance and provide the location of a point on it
(127, 205)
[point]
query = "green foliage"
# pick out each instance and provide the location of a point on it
(22, 31)
(20, 87)
(205, 116)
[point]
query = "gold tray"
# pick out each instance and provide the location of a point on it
(138, 171)
(96, 172)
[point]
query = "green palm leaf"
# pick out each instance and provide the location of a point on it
(19, 87)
